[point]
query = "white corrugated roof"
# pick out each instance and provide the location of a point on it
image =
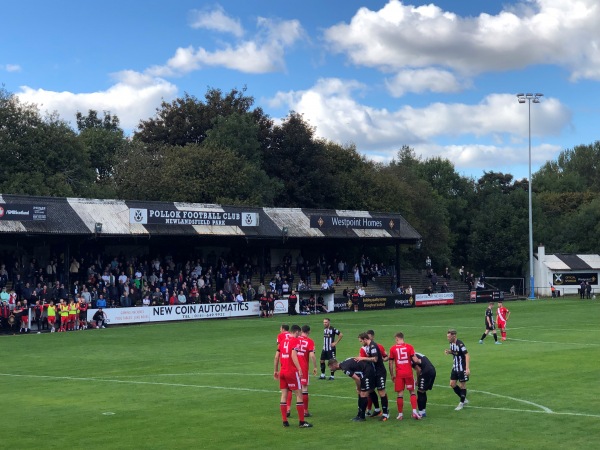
(553, 263)
(591, 260)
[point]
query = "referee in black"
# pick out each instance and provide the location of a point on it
(331, 337)
(460, 367)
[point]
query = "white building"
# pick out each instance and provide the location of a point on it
(565, 272)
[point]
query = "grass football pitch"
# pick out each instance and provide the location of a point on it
(209, 384)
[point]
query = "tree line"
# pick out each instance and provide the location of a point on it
(223, 149)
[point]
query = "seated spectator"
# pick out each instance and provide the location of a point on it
(325, 285)
(181, 298)
(321, 304)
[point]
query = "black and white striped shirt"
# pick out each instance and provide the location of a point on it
(459, 352)
(328, 336)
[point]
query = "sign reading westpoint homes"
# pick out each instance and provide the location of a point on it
(146, 216)
(9, 211)
(574, 279)
(366, 223)
(143, 314)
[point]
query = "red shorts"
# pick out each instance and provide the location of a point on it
(305, 378)
(501, 324)
(51, 319)
(289, 380)
(400, 383)
(72, 317)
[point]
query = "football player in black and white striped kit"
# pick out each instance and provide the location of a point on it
(329, 345)
(460, 367)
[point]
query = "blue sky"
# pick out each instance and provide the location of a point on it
(441, 76)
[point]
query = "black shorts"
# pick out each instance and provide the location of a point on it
(488, 327)
(366, 382)
(380, 376)
(326, 355)
(425, 381)
(271, 306)
(264, 306)
(459, 375)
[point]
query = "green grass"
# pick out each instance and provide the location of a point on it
(208, 384)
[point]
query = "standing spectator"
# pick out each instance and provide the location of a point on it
(588, 290)
(460, 367)
(434, 281)
(292, 302)
(582, 289)
(74, 269)
(428, 263)
(461, 273)
(329, 345)
(124, 301)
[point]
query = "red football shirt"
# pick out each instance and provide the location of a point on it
(402, 355)
(285, 351)
(304, 347)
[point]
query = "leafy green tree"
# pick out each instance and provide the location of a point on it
(102, 139)
(296, 158)
(187, 120)
(40, 156)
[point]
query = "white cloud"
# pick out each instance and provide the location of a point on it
(263, 54)
(496, 129)
(423, 80)
(400, 36)
(217, 20)
(133, 97)
(11, 67)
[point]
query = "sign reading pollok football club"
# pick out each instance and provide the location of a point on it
(9, 211)
(144, 216)
(365, 223)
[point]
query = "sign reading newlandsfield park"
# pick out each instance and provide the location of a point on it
(366, 223)
(145, 216)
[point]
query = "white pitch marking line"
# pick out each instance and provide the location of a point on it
(543, 410)
(550, 342)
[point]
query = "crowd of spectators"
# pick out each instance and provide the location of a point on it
(120, 281)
